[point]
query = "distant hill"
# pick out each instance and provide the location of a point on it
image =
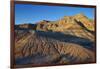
(26, 26)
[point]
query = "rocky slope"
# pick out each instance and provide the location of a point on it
(66, 41)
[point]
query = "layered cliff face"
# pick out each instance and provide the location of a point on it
(78, 25)
(65, 41)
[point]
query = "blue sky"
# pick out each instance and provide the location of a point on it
(28, 13)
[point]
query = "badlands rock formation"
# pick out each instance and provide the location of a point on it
(66, 41)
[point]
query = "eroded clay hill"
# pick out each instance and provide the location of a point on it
(46, 47)
(66, 41)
